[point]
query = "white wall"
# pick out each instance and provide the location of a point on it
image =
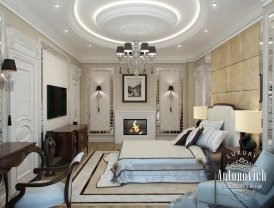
(55, 72)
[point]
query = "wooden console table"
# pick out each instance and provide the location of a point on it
(70, 140)
(12, 154)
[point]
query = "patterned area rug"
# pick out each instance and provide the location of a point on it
(85, 188)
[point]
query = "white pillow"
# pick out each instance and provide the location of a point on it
(206, 124)
(212, 139)
(181, 134)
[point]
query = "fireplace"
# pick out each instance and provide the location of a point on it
(149, 119)
(135, 126)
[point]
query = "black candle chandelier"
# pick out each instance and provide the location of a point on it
(136, 56)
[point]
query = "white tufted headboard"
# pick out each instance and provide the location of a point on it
(225, 113)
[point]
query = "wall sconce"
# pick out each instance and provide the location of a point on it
(200, 113)
(99, 95)
(6, 82)
(170, 89)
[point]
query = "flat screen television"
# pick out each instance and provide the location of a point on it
(56, 101)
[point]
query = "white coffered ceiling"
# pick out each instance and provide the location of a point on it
(105, 24)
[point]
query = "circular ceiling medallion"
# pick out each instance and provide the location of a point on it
(157, 22)
(127, 9)
(136, 29)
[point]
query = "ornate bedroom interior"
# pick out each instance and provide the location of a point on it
(71, 88)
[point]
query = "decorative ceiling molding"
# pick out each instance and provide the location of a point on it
(180, 32)
(27, 15)
(171, 16)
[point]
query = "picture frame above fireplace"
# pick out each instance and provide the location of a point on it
(134, 88)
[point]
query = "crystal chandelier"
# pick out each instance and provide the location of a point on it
(136, 56)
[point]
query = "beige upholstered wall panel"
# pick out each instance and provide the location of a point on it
(219, 81)
(235, 98)
(235, 48)
(251, 99)
(219, 98)
(235, 70)
(235, 78)
(251, 70)
(223, 56)
(251, 37)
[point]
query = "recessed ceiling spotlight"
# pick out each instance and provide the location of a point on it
(89, 45)
(56, 4)
(179, 45)
(206, 31)
(66, 30)
(214, 4)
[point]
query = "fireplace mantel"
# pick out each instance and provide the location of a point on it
(120, 115)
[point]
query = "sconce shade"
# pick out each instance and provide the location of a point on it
(200, 112)
(248, 121)
(9, 65)
(170, 88)
(98, 88)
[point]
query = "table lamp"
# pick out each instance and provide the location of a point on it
(248, 122)
(200, 113)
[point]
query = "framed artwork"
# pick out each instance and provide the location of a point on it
(134, 88)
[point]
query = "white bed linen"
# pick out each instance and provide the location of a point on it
(159, 161)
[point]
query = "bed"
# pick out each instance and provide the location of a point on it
(160, 161)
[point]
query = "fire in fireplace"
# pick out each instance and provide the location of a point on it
(135, 126)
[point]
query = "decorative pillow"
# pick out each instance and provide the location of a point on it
(263, 163)
(193, 136)
(206, 124)
(212, 139)
(181, 135)
(182, 140)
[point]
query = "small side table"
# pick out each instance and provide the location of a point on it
(12, 154)
(231, 154)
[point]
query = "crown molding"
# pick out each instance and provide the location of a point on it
(27, 15)
(255, 16)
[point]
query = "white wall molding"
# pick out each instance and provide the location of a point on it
(75, 75)
(24, 100)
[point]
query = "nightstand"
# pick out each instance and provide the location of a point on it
(231, 154)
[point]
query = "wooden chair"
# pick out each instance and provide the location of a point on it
(46, 193)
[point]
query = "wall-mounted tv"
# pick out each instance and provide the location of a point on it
(56, 101)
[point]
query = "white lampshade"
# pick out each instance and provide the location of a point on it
(200, 112)
(248, 121)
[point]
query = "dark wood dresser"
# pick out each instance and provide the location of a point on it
(70, 140)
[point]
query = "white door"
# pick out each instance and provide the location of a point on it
(24, 107)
